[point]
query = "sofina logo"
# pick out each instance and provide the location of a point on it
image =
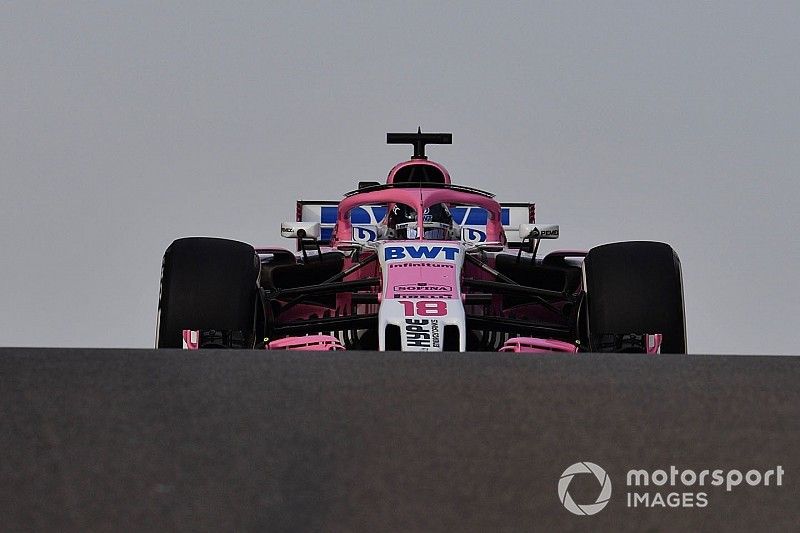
(584, 468)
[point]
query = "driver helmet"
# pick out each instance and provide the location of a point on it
(437, 222)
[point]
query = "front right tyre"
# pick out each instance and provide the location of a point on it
(207, 284)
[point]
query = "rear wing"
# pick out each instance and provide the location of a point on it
(513, 214)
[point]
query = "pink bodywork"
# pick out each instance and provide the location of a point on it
(653, 343)
(537, 345)
(308, 343)
(542, 346)
(191, 339)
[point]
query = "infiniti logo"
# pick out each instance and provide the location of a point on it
(602, 498)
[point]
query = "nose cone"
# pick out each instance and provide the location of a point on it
(421, 299)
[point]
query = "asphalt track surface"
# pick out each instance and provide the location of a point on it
(143, 440)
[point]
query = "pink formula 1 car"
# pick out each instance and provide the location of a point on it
(420, 264)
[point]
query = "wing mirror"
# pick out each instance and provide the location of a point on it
(300, 230)
(538, 231)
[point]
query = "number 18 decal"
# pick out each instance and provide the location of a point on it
(424, 307)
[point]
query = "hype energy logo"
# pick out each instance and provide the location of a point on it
(670, 487)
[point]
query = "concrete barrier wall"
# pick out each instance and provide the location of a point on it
(142, 440)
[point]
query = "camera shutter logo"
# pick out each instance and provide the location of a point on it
(584, 468)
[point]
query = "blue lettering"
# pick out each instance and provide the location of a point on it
(362, 234)
(418, 252)
(393, 252)
(474, 235)
(450, 253)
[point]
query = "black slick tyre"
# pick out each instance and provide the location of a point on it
(206, 283)
(635, 288)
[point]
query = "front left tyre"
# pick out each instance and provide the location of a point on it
(634, 288)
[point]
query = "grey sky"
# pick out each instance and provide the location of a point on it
(125, 126)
